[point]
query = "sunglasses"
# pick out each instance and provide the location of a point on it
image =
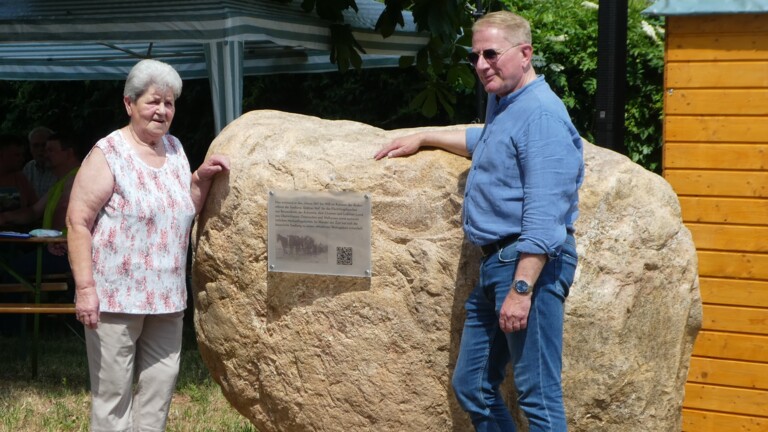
(490, 55)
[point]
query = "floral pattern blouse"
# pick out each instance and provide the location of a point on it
(140, 236)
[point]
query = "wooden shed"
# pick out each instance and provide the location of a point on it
(716, 158)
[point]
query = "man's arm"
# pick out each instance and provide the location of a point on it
(25, 215)
(513, 315)
(551, 166)
(451, 141)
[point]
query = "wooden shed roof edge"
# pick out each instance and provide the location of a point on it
(706, 7)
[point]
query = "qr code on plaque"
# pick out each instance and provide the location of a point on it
(343, 255)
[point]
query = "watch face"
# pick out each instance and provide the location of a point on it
(522, 287)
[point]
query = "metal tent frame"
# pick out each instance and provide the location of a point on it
(222, 40)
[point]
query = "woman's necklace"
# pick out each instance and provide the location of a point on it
(151, 144)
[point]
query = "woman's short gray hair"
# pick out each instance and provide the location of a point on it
(148, 73)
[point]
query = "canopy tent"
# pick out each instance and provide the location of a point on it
(219, 39)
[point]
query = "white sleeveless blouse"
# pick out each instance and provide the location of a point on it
(140, 236)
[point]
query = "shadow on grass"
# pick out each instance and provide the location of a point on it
(62, 360)
(58, 399)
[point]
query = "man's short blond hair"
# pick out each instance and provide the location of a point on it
(516, 29)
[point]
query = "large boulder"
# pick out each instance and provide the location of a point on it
(299, 352)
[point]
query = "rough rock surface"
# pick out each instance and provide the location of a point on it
(299, 352)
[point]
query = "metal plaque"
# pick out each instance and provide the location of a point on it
(325, 233)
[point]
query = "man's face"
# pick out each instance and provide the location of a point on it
(503, 72)
(54, 155)
(37, 146)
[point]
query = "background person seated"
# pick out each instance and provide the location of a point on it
(15, 190)
(63, 159)
(36, 170)
(50, 211)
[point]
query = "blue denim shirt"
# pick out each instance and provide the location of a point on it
(527, 166)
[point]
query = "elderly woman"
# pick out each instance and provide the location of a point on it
(129, 219)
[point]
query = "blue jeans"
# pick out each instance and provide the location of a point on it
(536, 352)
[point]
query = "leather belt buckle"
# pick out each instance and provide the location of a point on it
(498, 245)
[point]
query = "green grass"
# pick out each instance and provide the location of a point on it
(59, 400)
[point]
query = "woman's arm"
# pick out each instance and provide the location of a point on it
(202, 177)
(92, 189)
(25, 215)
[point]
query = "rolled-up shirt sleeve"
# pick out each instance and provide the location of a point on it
(472, 136)
(550, 165)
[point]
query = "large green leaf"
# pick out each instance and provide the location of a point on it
(390, 18)
(344, 51)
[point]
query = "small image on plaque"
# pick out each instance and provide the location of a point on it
(301, 248)
(319, 233)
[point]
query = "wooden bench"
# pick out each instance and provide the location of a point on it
(61, 277)
(8, 288)
(32, 308)
(37, 308)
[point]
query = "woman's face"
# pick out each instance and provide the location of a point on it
(152, 113)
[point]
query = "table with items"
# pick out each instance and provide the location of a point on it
(32, 285)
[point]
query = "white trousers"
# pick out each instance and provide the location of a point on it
(128, 348)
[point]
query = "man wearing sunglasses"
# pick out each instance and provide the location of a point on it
(520, 205)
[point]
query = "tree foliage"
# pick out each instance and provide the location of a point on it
(436, 87)
(565, 40)
(89, 110)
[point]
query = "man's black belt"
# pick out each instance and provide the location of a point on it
(499, 245)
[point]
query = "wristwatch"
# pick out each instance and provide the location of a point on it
(522, 287)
